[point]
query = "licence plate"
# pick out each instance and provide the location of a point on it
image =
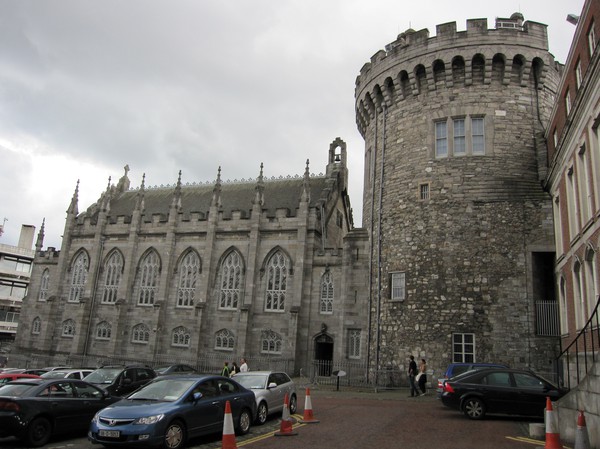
(109, 433)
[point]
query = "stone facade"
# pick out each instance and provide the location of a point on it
(266, 269)
(454, 134)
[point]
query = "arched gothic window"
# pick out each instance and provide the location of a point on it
(140, 334)
(326, 293)
(180, 337)
(591, 281)
(68, 328)
(224, 340)
(44, 285)
(189, 268)
(277, 273)
(271, 342)
(579, 299)
(231, 281)
(103, 330)
(148, 281)
(36, 326)
(112, 277)
(79, 272)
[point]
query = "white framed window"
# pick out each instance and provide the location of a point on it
(441, 139)
(564, 310)
(189, 269)
(568, 102)
(103, 330)
(68, 328)
(460, 144)
(354, 336)
(326, 293)
(277, 272)
(398, 286)
(180, 337)
(271, 342)
(148, 281)
(591, 281)
(578, 297)
(424, 191)
(112, 277)
(463, 348)
(558, 227)
(555, 138)
(578, 77)
(224, 340)
(36, 326)
(572, 204)
(586, 199)
(231, 281)
(44, 285)
(79, 272)
(478, 135)
(140, 334)
(592, 39)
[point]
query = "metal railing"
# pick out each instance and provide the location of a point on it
(546, 318)
(584, 349)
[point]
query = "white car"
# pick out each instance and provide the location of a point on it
(270, 388)
(72, 373)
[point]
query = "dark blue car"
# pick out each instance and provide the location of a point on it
(171, 409)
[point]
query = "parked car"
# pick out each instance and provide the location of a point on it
(456, 369)
(171, 409)
(34, 410)
(36, 371)
(270, 388)
(174, 369)
(9, 377)
(500, 390)
(67, 374)
(121, 380)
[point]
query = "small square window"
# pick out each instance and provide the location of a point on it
(424, 191)
(398, 286)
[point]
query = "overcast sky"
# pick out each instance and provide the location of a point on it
(87, 87)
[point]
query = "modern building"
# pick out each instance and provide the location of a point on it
(462, 239)
(15, 272)
(268, 269)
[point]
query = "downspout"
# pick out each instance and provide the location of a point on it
(93, 299)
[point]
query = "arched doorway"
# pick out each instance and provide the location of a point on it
(323, 354)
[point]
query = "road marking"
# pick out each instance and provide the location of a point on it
(539, 443)
(267, 435)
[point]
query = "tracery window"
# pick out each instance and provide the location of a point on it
(68, 328)
(140, 334)
(79, 272)
(354, 343)
(326, 293)
(271, 342)
(180, 337)
(149, 274)
(44, 285)
(277, 272)
(231, 281)
(189, 268)
(112, 278)
(224, 340)
(103, 330)
(36, 326)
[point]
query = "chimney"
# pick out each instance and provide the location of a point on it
(26, 237)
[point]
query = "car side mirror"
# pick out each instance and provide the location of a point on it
(272, 385)
(126, 381)
(197, 396)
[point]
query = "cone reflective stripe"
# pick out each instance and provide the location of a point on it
(582, 439)
(552, 432)
(308, 417)
(228, 441)
(286, 421)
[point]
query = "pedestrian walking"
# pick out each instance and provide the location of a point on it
(244, 366)
(225, 370)
(234, 369)
(422, 376)
(412, 374)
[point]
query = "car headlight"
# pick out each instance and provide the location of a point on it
(149, 419)
(95, 418)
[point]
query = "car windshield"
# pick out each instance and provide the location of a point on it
(103, 375)
(16, 389)
(163, 390)
(252, 381)
(54, 375)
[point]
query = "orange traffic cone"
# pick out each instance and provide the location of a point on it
(552, 432)
(286, 422)
(228, 430)
(582, 440)
(308, 417)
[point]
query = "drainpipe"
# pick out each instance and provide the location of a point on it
(93, 299)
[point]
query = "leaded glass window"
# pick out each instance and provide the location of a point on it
(68, 328)
(103, 330)
(354, 343)
(189, 268)
(140, 334)
(79, 272)
(44, 285)
(231, 281)
(277, 272)
(224, 339)
(180, 337)
(112, 277)
(149, 273)
(271, 342)
(36, 326)
(326, 293)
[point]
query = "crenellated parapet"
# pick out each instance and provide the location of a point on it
(415, 65)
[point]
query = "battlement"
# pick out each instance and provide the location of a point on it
(415, 64)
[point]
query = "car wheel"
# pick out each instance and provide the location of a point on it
(293, 404)
(174, 435)
(261, 413)
(244, 420)
(39, 432)
(474, 408)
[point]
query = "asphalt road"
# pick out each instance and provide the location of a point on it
(349, 420)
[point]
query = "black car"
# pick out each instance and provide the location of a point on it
(121, 380)
(34, 410)
(500, 390)
(165, 370)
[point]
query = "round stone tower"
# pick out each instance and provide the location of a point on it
(462, 245)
